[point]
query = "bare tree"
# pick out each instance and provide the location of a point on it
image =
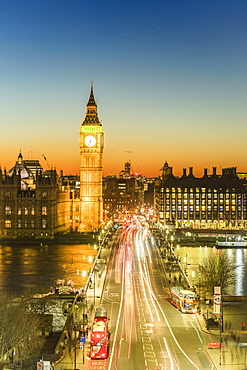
(20, 331)
(218, 270)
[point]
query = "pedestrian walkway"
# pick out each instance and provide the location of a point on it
(75, 352)
(232, 355)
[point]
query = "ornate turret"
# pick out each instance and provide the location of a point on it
(91, 111)
(20, 169)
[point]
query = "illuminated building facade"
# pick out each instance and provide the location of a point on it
(212, 201)
(91, 153)
(68, 204)
(121, 195)
(28, 201)
(124, 193)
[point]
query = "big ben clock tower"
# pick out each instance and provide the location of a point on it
(91, 153)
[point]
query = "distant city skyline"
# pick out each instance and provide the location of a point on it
(169, 81)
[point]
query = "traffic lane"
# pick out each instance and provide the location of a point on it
(183, 327)
(155, 325)
(185, 335)
(127, 346)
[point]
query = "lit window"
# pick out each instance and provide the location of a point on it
(44, 224)
(8, 224)
(32, 210)
(7, 210)
(25, 211)
(19, 224)
(19, 211)
(44, 210)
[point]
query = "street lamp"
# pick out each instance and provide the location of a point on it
(75, 329)
(193, 276)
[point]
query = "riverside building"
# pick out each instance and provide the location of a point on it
(212, 201)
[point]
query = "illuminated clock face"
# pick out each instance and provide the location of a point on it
(90, 140)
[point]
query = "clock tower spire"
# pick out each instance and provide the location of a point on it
(91, 153)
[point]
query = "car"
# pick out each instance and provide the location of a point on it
(213, 345)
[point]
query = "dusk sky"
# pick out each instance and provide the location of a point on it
(170, 82)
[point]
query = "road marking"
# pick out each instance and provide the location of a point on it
(147, 347)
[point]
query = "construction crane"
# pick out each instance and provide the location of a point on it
(46, 161)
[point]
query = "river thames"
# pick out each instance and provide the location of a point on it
(191, 257)
(39, 267)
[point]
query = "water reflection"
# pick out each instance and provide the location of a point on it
(23, 267)
(192, 256)
(239, 271)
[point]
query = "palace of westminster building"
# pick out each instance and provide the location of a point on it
(38, 204)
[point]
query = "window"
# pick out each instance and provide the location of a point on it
(44, 210)
(25, 210)
(19, 224)
(44, 224)
(32, 210)
(19, 211)
(7, 210)
(8, 224)
(7, 194)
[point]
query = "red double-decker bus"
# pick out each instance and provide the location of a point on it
(100, 336)
(99, 340)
